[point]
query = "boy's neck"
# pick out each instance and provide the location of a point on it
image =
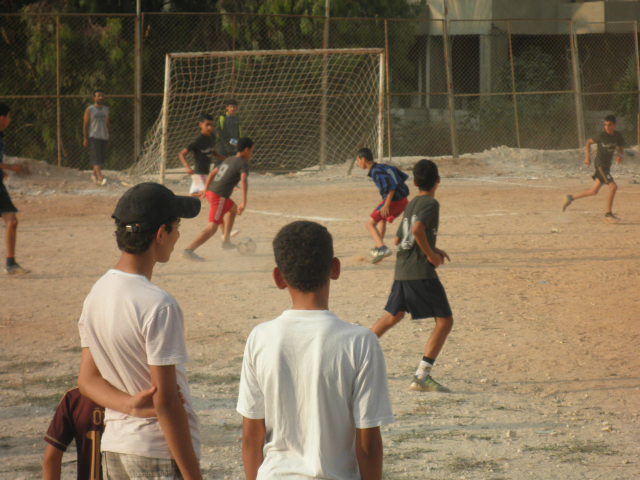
(427, 193)
(316, 300)
(137, 264)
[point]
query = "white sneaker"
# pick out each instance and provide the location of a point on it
(381, 253)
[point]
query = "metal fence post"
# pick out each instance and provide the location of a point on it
(137, 93)
(577, 84)
(325, 86)
(387, 87)
(450, 96)
(635, 43)
(58, 106)
(514, 96)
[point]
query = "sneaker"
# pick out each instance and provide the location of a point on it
(234, 233)
(611, 216)
(228, 246)
(16, 269)
(381, 253)
(94, 179)
(373, 251)
(567, 201)
(427, 385)
(191, 255)
(103, 181)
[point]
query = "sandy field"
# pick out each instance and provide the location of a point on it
(543, 359)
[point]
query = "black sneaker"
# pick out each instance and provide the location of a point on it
(567, 201)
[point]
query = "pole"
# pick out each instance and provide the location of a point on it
(58, 107)
(381, 109)
(324, 87)
(137, 83)
(635, 43)
(513, 87)
(165, 119)
(577, 84)
(387, 87)
(450, 96)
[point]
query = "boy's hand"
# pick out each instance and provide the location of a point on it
(436, 259)
(203, 194)
(241, 208)
(384, 211)
(443, 254)
(619, 159)
(189, 171)
(141, 404)
(587, 161)
(85, 143)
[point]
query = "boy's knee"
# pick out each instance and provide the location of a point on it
(446, 323)
(11, 222)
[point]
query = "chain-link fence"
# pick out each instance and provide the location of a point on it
(451, 87)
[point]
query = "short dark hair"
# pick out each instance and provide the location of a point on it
(203, 117)
(366, 154)
(610, 118)
(244, 142)
(425, 174)
(139, 242)
(230, 101)
(97, 90)
(4, 109)
(303, 251)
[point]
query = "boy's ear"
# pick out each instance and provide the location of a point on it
(278, 279)
(334, 273)
(161, 234)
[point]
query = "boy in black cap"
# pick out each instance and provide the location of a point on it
(132, 336)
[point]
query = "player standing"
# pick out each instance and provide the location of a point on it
(229, 128)
(394, 191)
(416, 288)
(7, 209)
(96, 127)
(313, 388)
(219, 187)
(608, 142)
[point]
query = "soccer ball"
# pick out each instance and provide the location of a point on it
(246, 246)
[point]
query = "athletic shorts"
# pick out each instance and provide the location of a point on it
(219, 206)
(603, 175)
(395, 210)
(98, 151)
(197, 183)
(116, 466)
(6, 205)
(421, 298)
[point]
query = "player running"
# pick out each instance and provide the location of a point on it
(609, 142)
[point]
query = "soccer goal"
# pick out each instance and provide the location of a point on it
(301, 107)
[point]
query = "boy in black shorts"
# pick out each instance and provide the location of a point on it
(7, 209)
(416, 288)
(218, 189)
(609, 142)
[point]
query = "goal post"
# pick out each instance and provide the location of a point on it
(294, 104)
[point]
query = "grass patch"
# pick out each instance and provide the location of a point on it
(570, 452)
(465, 464)
(213, 379)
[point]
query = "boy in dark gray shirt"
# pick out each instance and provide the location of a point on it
(416, 288)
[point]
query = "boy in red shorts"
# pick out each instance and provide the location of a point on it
(218, 189)
(394, 191)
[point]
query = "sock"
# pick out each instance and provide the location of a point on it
(11, 261)
(424, 369)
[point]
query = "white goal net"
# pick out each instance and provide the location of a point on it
(301, 107)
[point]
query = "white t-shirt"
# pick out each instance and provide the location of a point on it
(129, 323)
(314, 379)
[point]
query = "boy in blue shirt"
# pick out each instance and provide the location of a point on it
(394, 191)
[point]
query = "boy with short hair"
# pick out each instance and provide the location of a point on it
(96, 127)
(416, 288)
(7, 209)
(609, 141)
(394, 191)
(204, 152)
(132, 336)
(228, 130)
(218, 189)
(313, 388)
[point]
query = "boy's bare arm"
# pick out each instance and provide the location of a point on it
(85, 128)
(52, 463)
(369, 453)
(620, 151)
(174, 420)
(384, 211)
(210, 178)
(244, 186)
(95, 387)
(587, 152)
(183, 158)
(254, 433)
(419, 230)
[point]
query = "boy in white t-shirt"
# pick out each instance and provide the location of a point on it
(313, 389)
(132, 335)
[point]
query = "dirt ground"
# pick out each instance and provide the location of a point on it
(543, 359)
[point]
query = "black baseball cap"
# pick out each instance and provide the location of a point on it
(146, 206)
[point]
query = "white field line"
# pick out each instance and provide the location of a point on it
(306, 217)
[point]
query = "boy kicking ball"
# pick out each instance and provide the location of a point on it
(609, 142)
(394, 191)
(416, 288)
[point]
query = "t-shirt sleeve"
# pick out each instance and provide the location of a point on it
(60, 431)
(250, 397)
(427, 212)
(82, 322)
(164, 336)
(371, 403)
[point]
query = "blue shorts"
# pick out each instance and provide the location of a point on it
(421, 298)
